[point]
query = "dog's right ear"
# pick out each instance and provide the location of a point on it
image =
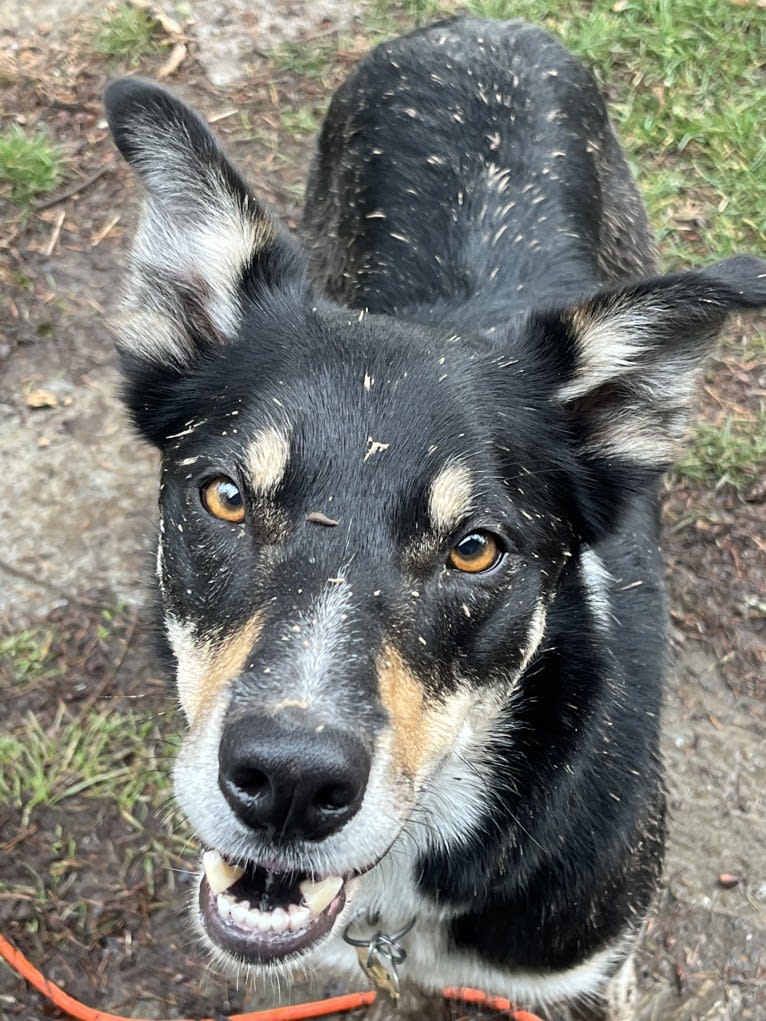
(203, 241)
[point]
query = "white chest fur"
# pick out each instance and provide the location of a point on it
(388, 896)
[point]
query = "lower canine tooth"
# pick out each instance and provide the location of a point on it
(220, 875)
(318, 895)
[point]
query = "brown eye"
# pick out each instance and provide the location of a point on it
(221, 498)
(478, 552)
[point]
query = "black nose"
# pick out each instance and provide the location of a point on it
(290, 777)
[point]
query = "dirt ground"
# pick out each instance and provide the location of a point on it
(77, 519)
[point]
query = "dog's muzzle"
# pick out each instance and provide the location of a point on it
(291, 780)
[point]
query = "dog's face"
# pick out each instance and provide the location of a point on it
(354, 575)
(363, 526)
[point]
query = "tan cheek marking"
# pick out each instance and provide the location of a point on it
(450, 497)
(267, 459)
(214, 666)
(422, 733)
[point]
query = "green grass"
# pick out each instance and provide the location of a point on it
(384, 17)
(307, 59)
(31, 164)
(106, 753)
(305, 120)
(99, 762)
(733, 453)
(24, 657)
(126, 33)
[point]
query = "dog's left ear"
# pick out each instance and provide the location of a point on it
(203, 239)
(634, 356)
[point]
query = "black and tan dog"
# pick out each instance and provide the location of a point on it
(409, 546)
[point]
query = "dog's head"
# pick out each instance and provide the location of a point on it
(363, 524)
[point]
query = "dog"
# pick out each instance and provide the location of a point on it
(408, 548)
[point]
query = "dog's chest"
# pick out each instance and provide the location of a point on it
(387, 900)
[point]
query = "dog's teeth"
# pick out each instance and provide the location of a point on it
(225, 904)
(220, 875)
(318, 895)
(280, 920)
(299, 917)
(293, 918)
(256, 921)
(240, 912)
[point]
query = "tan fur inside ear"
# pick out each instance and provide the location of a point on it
(633, 387)
(199, 229)
(609, 341)
(185, 269)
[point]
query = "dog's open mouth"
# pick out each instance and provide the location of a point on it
(262, 916)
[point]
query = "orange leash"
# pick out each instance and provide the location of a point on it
(466, 995)
(301, 1012)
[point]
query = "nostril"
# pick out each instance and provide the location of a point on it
(251, 780)
(334, 797)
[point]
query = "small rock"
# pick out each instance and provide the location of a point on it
(728, 880)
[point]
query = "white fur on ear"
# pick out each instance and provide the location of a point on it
(199, 228)
(638, 391)
(638, 353)
(181, 269)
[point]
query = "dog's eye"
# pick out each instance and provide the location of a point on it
(477, 552)
(221, 498)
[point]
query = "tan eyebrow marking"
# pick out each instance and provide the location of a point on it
(267, 458)
(450, 496)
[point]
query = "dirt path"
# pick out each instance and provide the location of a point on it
(77, 513)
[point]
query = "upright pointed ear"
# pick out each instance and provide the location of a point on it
(202, 241)
(634, 358)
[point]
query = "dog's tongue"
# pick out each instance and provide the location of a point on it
(316, 894)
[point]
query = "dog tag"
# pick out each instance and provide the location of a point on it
(377, 974)
(379, 957)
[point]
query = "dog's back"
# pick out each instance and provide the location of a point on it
(468, 171)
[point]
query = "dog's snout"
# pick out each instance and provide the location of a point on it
(291, 779)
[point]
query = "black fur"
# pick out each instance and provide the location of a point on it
(469, 194)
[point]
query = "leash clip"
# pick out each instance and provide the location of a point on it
(380, 956)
